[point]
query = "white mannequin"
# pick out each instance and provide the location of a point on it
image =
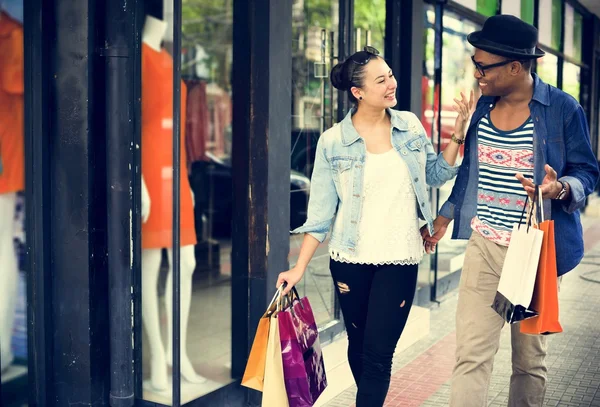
(152, 36)
(9, 277)
(9, 273)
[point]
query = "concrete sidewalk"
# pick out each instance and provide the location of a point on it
(421, 373)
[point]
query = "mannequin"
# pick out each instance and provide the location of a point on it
(11, 172)
(157, 163)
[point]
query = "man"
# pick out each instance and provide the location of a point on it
(522, 132)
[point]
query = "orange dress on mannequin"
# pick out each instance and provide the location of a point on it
(12, 155)
(157, 153)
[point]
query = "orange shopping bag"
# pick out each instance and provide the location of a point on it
(545, 294)
(254, 375)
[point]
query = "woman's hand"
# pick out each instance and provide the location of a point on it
(464, 109)
(291, 277)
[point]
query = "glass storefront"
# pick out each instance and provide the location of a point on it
(13, 288)
(573, 33)
(205, 201)
(572, 79)
(207, 347)
(547, 68)
(457, 72)
(485, 7)
(429, 118)
(369, 23)
(550, 23)
(519, 8)
(315, 33)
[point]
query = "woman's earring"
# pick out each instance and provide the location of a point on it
(360, 98)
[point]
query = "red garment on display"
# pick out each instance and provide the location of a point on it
(219, 105)
(157, 153)
(12, 155)
(197, 124)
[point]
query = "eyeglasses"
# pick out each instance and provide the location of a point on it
(482, 68)
(362, 58)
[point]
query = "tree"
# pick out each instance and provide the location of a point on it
(209, 23)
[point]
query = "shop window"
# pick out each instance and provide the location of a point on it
(429, 97)
(547, 69)
(369, 16)
(314, 106)
(571, 79)
(550, 20)
(13, 288)
(486, 7)
(519, 8)
(205, 200)
(457, 76)
(573, 33)
(429, 93)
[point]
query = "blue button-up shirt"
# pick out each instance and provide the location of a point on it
(560, 139)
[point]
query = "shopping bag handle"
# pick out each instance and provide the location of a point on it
(540, 203)
(523, 213)
(274, 302)
(535, 214)
(289, 298)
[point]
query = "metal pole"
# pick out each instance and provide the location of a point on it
(332, 57)
(436, 122)
(118, 54)
(176, 202)
(323, 76)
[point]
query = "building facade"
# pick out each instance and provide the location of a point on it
(97, 307)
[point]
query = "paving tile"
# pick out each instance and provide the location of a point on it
(573, 361)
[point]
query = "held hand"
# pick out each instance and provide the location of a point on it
(464, 109)
(291, 277)
(429, 247)
(440, 226)
(550, 186)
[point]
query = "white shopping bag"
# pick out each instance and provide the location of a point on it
(519, 271)
(274, 391)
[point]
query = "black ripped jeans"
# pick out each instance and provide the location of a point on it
(375, 303)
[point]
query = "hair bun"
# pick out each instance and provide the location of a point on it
(337, 77)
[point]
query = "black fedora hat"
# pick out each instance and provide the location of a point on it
(507, 36)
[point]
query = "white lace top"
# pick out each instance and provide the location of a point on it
(388, 231)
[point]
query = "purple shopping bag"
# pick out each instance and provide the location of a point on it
(303, 367)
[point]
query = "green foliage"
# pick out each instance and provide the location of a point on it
(209, 23)
(370, 15)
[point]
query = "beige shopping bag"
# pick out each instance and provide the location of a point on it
(274, 393)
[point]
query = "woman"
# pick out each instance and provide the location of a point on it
(370, 181)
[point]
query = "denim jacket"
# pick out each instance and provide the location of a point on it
(560, 139)
(337, 181)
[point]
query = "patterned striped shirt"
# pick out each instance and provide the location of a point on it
(500, 196)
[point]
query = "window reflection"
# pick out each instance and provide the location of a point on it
(206, 200)
(369, 16)
(314, 104)
(457, 76)
(571, 79)
(573, 33)
(13, 292)
(550, 20)
(547, 68)
(429, 114)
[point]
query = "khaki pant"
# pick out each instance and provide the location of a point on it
(478, 329)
